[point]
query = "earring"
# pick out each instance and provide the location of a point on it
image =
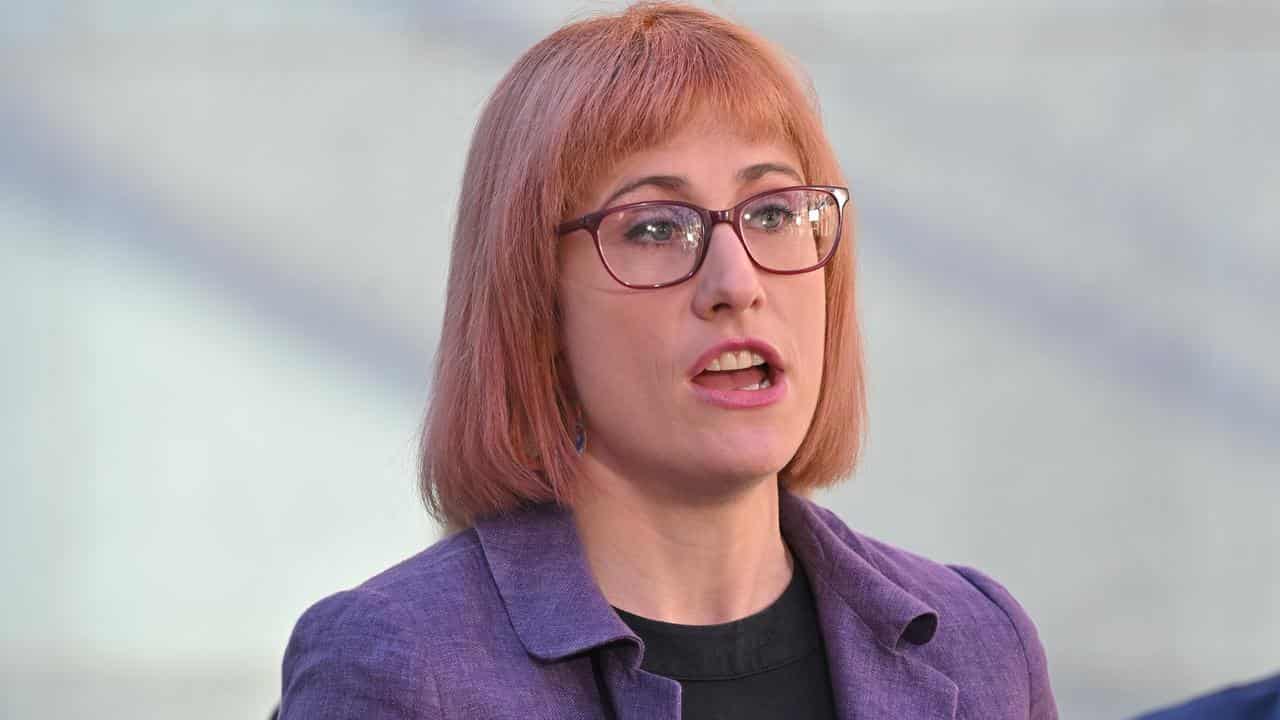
(579, 436)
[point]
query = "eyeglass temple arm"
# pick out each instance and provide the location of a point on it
(582, 223)
(842, 194)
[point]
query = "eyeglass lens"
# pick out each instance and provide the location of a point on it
(786, 231)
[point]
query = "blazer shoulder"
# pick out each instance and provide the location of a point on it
(930, 580)
(369, 651)
(1037, 666)
(355, 654)
(451, 563)
(975, 611)
(951, 589)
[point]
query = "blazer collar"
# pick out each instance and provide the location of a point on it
(539, 565)
(869, 623)
(540, 568)
(839, 559)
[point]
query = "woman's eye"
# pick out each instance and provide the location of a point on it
(654, 232)
(771, 217)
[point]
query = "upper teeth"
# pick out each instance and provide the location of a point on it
(734, 360)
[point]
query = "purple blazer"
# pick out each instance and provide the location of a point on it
(504, 620)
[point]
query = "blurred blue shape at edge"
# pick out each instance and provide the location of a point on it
(1258, 700)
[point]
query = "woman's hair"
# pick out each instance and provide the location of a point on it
(499, 430)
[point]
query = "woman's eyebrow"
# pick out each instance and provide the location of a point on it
(759, 170)
(673, 183)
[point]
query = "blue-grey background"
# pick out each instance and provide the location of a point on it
(223, 242)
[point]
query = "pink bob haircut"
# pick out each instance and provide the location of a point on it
(499, 429)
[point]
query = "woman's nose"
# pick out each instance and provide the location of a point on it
(728, 280)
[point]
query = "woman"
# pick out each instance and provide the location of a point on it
(650, 355)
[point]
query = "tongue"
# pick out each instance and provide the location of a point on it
(730, 379)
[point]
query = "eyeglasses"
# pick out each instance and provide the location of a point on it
(660, 243)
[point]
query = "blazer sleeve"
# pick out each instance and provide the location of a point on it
(1042, 705)
(355, 654)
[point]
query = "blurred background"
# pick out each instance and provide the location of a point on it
(224, 235)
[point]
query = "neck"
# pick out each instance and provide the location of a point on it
(679, 561)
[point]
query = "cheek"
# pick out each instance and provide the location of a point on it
(818, 324)
(807, 315)
(612, 338)
(810, 338)
(617, 374)
(585, 338)
(581, 271)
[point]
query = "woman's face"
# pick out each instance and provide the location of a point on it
(637, 357)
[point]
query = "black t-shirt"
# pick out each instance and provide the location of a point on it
(768, 665)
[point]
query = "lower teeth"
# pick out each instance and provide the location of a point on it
(758, 386)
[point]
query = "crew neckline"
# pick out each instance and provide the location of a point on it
(785, 631)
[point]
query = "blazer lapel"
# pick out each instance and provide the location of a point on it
(870, 625)
(869, 680)
(634, 693)
(558, 612)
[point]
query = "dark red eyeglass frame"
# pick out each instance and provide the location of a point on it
(710, 218)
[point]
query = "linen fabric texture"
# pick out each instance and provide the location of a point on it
(504, 620)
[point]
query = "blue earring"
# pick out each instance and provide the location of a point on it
(579, 437)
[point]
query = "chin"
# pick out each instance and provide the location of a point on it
(750, 463)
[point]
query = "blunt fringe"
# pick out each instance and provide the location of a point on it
(498, 432)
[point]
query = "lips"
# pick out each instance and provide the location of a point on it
(748, 351)
(739, 373)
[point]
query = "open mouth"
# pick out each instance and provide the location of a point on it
(736, 370)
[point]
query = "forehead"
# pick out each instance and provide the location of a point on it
(706, 145)
(601, 145)
(708, 156)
